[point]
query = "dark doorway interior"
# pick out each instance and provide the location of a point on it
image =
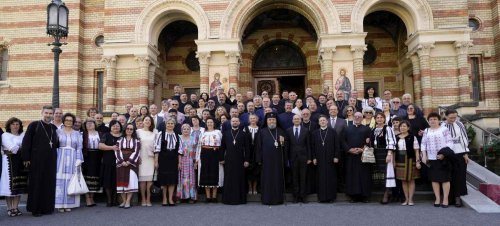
(293, 83)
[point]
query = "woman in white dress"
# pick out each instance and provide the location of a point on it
(69, 158)
(209, 158)
(14, 178)
(148, 135)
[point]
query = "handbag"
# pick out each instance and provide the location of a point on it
(389, 176)
(368, 156)
(154, 189)
(77, 185)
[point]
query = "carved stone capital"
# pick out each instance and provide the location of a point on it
(358, 51)
(143, 61)
(327, 53)
(463, 47)
(233, 56)
(203, 57)
(109, 61)
(424, 49)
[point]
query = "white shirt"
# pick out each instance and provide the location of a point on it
(296, 128)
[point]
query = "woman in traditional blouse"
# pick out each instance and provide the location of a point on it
(108, 145)
(167, 162)
(69, 158)
(383, 141)
(186, 188)
(298, 107)
(127, 162)
(417, 122)
(209, 158)
(13, 180)
(196, 128)
(148, 136)
(93, 157)
(368, 119)
(435, 138)
(253, 171)
(349, 114)
(386, 109)
(407, 161)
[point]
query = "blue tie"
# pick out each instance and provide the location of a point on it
(297, 134)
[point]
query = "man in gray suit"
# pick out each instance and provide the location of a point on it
(158, 119)
(339, 125)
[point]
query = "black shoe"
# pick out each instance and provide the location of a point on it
(207, 200)
(214, 200)
(458, 202)
(295, 200)
(437, 205)
(302, 200)
(383, 203)
(444, 206)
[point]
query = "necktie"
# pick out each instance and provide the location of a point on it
(297, 134)
(333, 123)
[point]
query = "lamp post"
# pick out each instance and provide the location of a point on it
(57, 27)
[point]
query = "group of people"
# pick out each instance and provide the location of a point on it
(264, 144)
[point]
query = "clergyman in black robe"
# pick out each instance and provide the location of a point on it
(39, 153)
(234, 146)
(358, 174)
(325, 153)
(271, 146)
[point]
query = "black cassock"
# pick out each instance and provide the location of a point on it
(42, 171)
(236, 153)
(311, 175)
(272, 160)
(324, 155)
(358, 174)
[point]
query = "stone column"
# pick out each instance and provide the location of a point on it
(423, 51)
(110, 63)
(151, 82)
(144, 62)
(358, 52)
(463, 70)
(417, 86)
(203, 58)
(234, 68)
(326, 62)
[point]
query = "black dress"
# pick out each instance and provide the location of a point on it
(168, 160)
(253, 171)
(91, 167)
(108, 166)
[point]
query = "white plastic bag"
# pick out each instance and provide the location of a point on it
(77, 185)
(390, 181)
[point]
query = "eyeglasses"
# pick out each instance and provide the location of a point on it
(349, 110)
(175, 104)
(396, 102)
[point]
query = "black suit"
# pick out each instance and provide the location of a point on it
(340, 127)
(299, 153)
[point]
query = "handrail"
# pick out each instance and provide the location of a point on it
(469, 122)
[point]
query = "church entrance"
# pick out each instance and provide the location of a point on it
(279, 65)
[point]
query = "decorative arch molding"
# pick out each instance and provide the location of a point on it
(416, 14)
(322, 15)
(152, 19)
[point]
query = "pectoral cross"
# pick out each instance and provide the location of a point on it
(50, 143)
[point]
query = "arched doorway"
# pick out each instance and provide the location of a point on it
(280, 53)
(177, 58)
(385, 65)
(279, 65)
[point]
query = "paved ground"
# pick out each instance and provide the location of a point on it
(256, 214)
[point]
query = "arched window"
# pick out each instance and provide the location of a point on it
(4, 59)
(279, 55)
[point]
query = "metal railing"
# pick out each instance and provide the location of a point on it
(488, 136)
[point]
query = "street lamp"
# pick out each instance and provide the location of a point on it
(57, 27)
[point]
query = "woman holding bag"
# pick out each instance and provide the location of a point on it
(148, 135)
(383, 142)
(69, 158)
(127, 161)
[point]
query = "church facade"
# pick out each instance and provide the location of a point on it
(442, 52)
